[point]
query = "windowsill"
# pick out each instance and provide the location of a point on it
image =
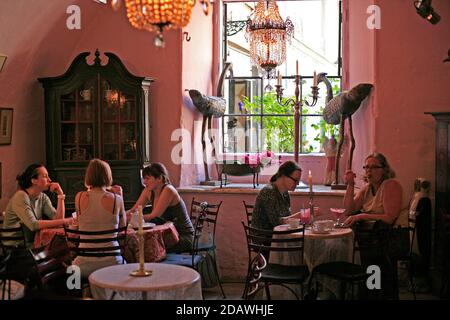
(286, 155)
(247, 188)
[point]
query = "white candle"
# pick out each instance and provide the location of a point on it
(296, 67)
(310, 182)
(141, 239)
(315, 79)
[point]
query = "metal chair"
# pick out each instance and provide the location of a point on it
(258, 264)
(365, 241)
(267, 241)
(209, 247)
(17, 236)
(248, 212)
(193, 259)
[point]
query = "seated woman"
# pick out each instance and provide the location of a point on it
(167, 204)
(29, 204)
(98, 210)
(380, 200)
(273, 204)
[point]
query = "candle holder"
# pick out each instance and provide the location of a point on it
(141, 272)
(311, 208)
(297, 104)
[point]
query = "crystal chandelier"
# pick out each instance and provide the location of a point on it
(267, 33)
(154, 15)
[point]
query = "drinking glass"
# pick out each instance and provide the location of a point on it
(337, 214)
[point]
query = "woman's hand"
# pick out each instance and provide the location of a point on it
(68, 221)
(352, 219)
(55, 187)
(349, 177)
(117, 190)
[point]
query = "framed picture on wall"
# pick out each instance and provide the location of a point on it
(6, 120)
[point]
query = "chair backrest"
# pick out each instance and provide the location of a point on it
(199, 224)
(75, 237)
(371, 238)
(257, 265)
(248, 212)
(266, 241)
(12, 234)
(211, 211)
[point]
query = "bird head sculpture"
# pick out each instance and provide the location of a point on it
(346, 103)
(208, 105)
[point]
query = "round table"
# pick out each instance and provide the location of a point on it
(336, 245)
(156, 239)
(167, 282)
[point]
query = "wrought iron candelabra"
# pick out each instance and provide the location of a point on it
(297, 104)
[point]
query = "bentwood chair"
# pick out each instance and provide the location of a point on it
(11, 234)
(193, 259)
(209, 246)
(248, 211)
(257, 265)
(267, 242)
(100, 244)
(365, 241)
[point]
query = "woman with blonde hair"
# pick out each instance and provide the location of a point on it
(380, 199)
(98, 210)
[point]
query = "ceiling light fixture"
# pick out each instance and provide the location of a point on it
(426, 11)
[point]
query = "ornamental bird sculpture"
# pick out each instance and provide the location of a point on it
(342, 107)
(209, 107)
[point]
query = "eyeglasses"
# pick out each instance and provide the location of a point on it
(293, 179)
(372, 167)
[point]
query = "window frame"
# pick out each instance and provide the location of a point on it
(261, 114)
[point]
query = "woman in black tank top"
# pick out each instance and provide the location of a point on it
(166, 204)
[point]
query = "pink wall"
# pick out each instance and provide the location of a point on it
(38, 44)
(404, 61)
(197, 64)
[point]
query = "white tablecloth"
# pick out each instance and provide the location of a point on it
(318, 248)
(167, 282)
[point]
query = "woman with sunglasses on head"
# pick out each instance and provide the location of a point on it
(380, 198)
(273, 204)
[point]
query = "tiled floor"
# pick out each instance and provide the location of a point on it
(234, 290)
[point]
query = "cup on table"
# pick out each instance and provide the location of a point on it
(134, 222)
(294, 223)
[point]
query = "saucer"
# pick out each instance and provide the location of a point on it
(320, 232)
(145, 226)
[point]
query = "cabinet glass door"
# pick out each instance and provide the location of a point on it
(119, 129)
(77, 123)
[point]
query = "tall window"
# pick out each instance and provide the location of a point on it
(254, 120)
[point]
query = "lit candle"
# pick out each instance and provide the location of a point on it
(279, 78)
(141, 239)
(296, 67)
(310, 182)
(315, 79)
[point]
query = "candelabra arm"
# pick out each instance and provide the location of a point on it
(315, 95)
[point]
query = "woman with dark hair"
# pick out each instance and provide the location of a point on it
(166, 204)
(29, 204)
(380, 198)
(273, 204)
(98, 210)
